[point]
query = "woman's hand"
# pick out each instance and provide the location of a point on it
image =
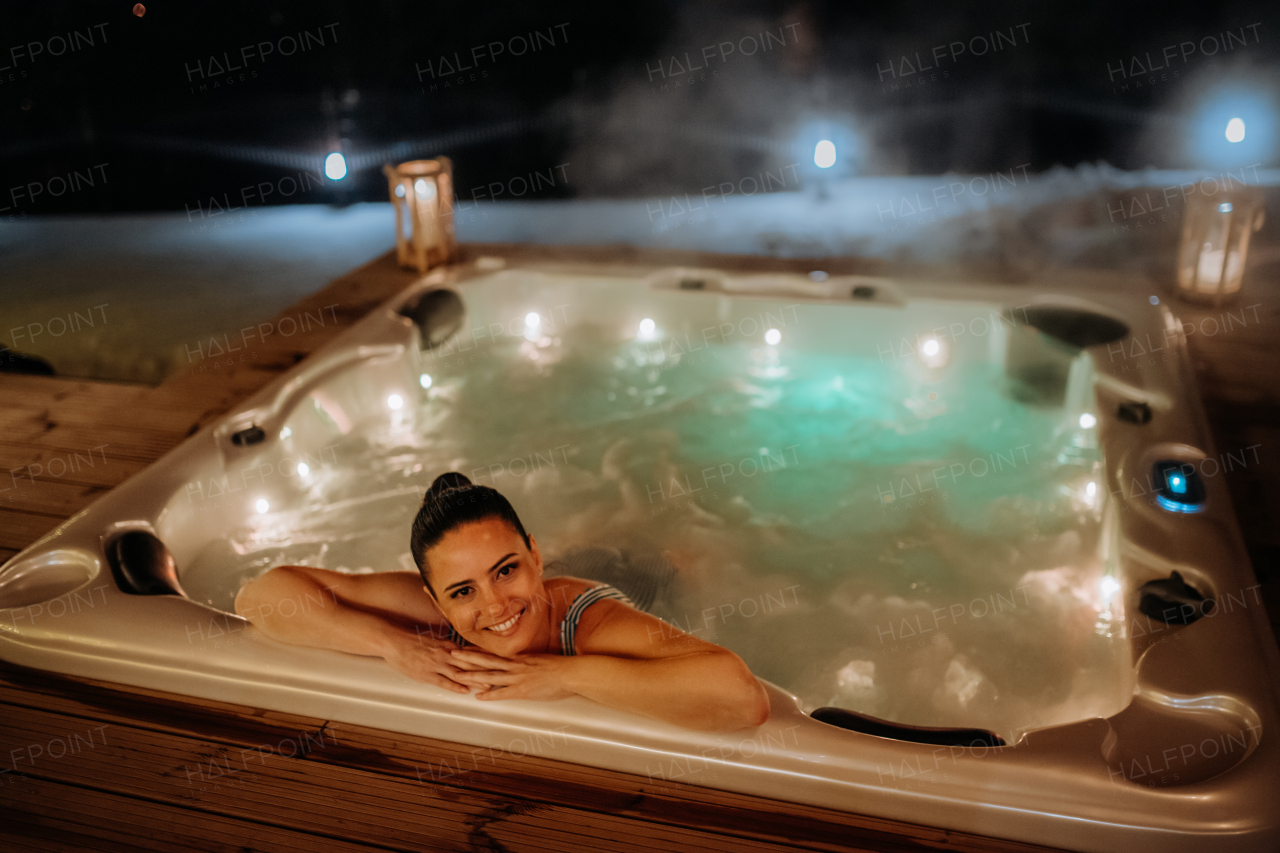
(425, 659)
(525, 677)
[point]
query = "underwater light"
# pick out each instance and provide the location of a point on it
(773, 337)
(395, 401)
(262, 506)
(1235, 130)
(531, 323)
(933, 352)
(824, 154)
(1091, 488)
(335, 166)
(647, 327)
(285, 433)
(1109, 586)
(1088, 421)
(424, 380)
(303, 469)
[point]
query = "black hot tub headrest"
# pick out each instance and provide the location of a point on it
(1079, 327)
(438, 314)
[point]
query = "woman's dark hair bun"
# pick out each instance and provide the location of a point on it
(450, 502)
(450, 480)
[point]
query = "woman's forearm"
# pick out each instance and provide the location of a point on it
(271, 605)
(709, 691)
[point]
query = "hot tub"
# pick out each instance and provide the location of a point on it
(925, 503)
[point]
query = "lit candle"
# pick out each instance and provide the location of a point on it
(1210, 269)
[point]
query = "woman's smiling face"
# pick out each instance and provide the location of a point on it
(489, 586)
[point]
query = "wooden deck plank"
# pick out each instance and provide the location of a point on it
(24, 453)
(71, 398)
(18, 528)
(30, 389)
(21, 462)
(270, 787)
(87, 819)
(50, 497)
(138, 443)
(90, 469)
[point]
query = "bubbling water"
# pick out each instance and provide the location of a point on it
(921, 552)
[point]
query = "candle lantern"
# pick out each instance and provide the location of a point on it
(422, 194)
(1215, 243)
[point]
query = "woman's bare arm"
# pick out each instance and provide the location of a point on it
(631, 660)
(385, 614)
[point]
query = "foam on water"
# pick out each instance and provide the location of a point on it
(920, 551)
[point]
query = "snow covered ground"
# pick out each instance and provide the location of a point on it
(159, 282)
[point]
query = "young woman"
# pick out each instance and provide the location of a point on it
(482, 620)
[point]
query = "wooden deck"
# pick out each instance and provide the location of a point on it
(146, 770)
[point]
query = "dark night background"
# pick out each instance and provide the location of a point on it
(132, 100)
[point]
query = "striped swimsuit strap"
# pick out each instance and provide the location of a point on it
(569, 625)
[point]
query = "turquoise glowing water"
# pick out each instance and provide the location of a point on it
(914, 544)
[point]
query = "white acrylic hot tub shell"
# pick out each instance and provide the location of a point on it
(1053, 788)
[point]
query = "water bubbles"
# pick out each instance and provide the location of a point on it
(262, 506)
(1235, 130)
(420, 187)
(399, 190)
(395, 401)
(818, 275)
(303, 469)
(285, 433)
(647, 327)
(425, 380)
(773, 337)
(1088, 421)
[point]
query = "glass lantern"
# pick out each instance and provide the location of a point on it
(422, 194)
(1215, 243)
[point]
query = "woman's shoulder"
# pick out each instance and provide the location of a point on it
(564, 590)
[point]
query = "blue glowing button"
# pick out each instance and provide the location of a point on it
(1178, 486)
